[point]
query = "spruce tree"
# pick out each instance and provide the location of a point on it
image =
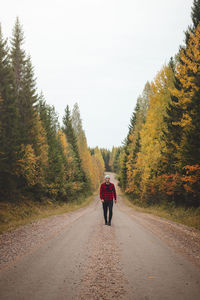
(195, 14)
(106, 157)
(72, 140)
(116, 160)
(18, 58)
(24, 86)
(28, 105)
(123, 170)
(172, 136)
(8, 124)
(69, 131)
(132, 124)
(190, 75)
(56, 180)
(84, 152)
(190, 150)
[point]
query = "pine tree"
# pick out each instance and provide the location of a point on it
(28, 105)
(172, 133)
(106, 157)
(195, 14)
(69, 131)
(72, 140)
(132, 124)
(85, 156)
(123, 169)
(190, 150)
(188, 74)
(18, 58)
(24, 86)
(8, 124)
(57, 163)
(132, 147)
(150, 159)
(116, 160)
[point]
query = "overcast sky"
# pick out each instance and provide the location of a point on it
(98, 53)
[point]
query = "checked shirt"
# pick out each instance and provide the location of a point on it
(107, 191)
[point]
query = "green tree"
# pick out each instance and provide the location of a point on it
(8, 125)
(195, 14)
(24, 86)
(172, 133)
(84, 152)
(106, 157)
(57, 164)
(72, 140)
(18, 58)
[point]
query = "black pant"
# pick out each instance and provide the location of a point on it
(107, 204)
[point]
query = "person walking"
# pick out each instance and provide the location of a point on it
(107, 193)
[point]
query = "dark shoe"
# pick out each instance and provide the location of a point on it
(106, 223)
(109, 223)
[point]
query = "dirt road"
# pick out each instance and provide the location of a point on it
(76, 256)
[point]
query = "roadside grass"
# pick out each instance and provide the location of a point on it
(187, 216)
(13, 215)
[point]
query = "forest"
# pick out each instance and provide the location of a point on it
(39, 157)
(159, 161)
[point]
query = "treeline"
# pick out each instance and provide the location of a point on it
(160, 157)
(111, 158)
(39, 158)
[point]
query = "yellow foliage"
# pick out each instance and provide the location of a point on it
(41, 142)
(186, 71)
(33, 160)
(93, 165)
(151, 133)
(27, 165)
(64, 143)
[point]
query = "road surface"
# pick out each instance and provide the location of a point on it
(76, 256)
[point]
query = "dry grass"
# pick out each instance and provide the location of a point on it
(13, 215)
(187, 216)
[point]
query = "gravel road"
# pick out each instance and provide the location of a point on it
(75, 256)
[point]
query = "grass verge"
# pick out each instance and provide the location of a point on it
(13, 215)
(187, 216)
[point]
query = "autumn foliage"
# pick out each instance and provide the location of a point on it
(39, 158)
(160, 159)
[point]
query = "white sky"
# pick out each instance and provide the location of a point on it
(98, 53)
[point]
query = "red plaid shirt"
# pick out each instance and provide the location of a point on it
(107, 194)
